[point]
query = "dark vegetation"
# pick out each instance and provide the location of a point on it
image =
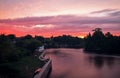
(17, 54)
(17, 58)
(65, 41)
(102, 43)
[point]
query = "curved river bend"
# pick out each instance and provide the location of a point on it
(74, 63)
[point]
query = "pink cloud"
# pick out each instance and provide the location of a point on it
(57, 25)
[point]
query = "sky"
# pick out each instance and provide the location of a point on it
(57, 17)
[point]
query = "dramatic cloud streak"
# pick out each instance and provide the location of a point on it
(107, 12)
(62, 24)
(104, 10)
(57, 17)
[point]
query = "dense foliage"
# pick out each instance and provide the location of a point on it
(12, 48)
(65, 41)
(99, 42)
(12, 51)
(19, 51)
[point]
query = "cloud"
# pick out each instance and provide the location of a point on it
(108, 12)
(63, 19)
(104, 10)
(117, 13)
(62, 24)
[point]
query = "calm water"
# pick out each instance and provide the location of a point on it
(73, 63)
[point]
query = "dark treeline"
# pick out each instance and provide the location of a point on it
(16, 53)
(65, 41)
(14, 50)
(102, 43)
(12, 47)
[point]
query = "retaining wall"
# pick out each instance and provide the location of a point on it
(46, 69)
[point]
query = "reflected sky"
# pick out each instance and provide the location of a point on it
(99, 61)
(73, 63)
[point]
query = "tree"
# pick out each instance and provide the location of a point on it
(40, 38)
(8, 52)
(27, 37)
(97, 29)
(100, 43)
(88, 42)
(108, 35)
(28, 45)
(11, 36)
(96, 41)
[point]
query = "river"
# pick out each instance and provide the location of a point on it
(74, 63)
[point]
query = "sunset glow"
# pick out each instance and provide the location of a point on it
(57, 17)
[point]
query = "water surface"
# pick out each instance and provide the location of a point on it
(74, 63)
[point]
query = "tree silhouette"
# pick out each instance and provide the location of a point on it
(100, 43)
(8, 52)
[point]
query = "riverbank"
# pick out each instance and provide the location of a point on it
(103, 53)
(45, 70)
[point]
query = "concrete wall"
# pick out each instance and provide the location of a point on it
(45, 70)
